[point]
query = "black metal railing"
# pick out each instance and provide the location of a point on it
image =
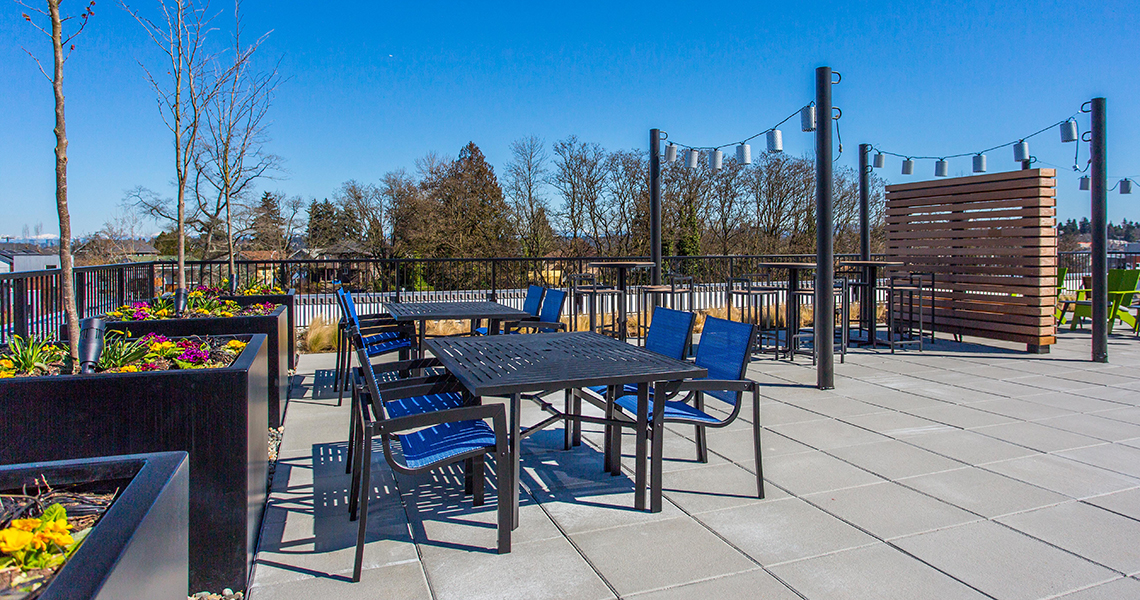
(30, 302)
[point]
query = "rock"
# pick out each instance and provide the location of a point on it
(227, 592)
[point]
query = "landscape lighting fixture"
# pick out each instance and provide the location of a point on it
(775, 141)
(979, 163)
(1069, 130)
(807, 118)
(91, 339)
(744, 154)
(1021, 151)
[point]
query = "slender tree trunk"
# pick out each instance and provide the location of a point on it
(67, 274)
(230, 244)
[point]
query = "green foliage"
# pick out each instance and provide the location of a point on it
(28, 354)
(118, 351)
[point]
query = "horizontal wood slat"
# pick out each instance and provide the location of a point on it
(991, 243)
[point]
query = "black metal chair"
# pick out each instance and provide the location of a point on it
(380, 333)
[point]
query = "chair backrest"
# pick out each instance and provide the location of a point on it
(533, 300)
(350, 306)
(725, 350)
(552, 303)
(1127, 282)
(1061, 273)
(669, 332)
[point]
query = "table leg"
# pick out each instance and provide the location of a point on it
(793, 310)
(621, 306)
(658, 424)
(423, 336)
(494, 326)
(516, 443)
(872, 302)
(642, 432)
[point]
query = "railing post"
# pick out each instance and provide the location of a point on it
(494, 280)
(121, 277)
(20, 308)
(80, 293)
(151, 275)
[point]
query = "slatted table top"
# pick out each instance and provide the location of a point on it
(410, 311)
(622, 264)
(510, 364)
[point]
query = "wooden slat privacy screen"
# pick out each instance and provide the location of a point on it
(990, 241)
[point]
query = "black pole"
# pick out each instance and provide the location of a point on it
(824, 338)
(864, 202)
(655, 203)
(1099, 186)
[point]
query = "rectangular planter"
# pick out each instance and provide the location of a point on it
(289, 299)
(139, 548)
(274, 325)
(218, 416)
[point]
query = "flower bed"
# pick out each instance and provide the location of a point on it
(218, 415)
(273, 295)
(152, 352)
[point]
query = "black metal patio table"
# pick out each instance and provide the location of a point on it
(513, 365)
(791, 303)
(622, 268)
(868, 303)
(422, 312)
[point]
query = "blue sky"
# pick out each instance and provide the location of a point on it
(375, 86)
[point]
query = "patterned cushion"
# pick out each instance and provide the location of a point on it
(673, 410)
(422, 404)
(436, 444)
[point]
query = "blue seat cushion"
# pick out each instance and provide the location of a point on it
(388, 346)
(421, 404)
(673, 410)
(380, 337)
(630, 388)
(480, 331)
(436, 444)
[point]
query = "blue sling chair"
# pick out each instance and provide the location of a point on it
(531, 304)
(427, 439)
(553, 301)
(380, 334)
(725, 351)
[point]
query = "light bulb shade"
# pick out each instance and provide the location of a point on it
(807, 118)
(91, 340)
(880, 160)
(694, 157)
(1069, 131)
(716, 160)
(775, 141)
(979, 163)
(941, 168)
(1125, 186)
(671, 153)
(1084, 182)
(744, 154)
(908, 167)
(1021, 151)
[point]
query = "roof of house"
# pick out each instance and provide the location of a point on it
(10, 249)
(259, 255)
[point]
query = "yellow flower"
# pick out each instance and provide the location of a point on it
(223, 313)
(129, 369)
(60, 539)
(13, 540)
(4, 374)
(236, 346)
(6, 364)
(25, 524)
(196, 294)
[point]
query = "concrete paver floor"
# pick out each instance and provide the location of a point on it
(969, 470)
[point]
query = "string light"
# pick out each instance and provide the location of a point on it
(979, 163)
(744, 154)
(775, 141)
(908, 166)
(774, 137)
(716, 158)
(1125, 186)
(671, 153)
(807, 118)
(694, 157)
(880, 160)
(1085, 183)
(941, 168)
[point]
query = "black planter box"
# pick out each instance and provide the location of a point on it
(289, 299)
(138, 549)
(218, 416)
(274, 325)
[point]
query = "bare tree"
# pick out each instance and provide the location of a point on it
(726, 207)
(233, 152)
(188, 87)
(525, 179)
(579, 176)
(627, 193)
(59, 41)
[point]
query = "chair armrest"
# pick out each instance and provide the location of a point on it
(424, 389)
(406, 365)
(717, 385)
(384, 386)
(495, 412)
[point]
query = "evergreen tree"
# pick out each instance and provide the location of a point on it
(323, 224)
(268, 224)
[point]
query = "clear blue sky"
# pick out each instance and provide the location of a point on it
(373, 86)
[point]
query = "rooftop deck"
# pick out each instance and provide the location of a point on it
(965, 471)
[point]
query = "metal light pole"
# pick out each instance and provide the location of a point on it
(1099, 187)
(655, 203)
(824, 224)
(864, 202)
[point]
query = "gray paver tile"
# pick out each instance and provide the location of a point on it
(1118, 589)
(1114, 457)
(1038, 437)
(1126, 502)
(779, 531)
(403, 581)
(651, 556)
(828, 434)
(1063, 475)
(1130, 414)
(982, 492)
(894, 459)
(1017, 408)
(889, 510)
(577, 510)
(756, 583)
(715, 487)
(1002, 562)
(1094, 533)
(1084, 401)
(895, 424)
(548, 569)
(834, 405)
(968, 446)
(1108, 430)
(960, 416)
(811, 472)
(876, 572)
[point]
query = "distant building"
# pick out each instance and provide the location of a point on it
(17, 257)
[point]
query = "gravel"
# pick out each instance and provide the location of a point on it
(274, 443)
(227, 594)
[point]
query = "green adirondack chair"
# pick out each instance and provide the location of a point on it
(1058, 313)
(1121, 289)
